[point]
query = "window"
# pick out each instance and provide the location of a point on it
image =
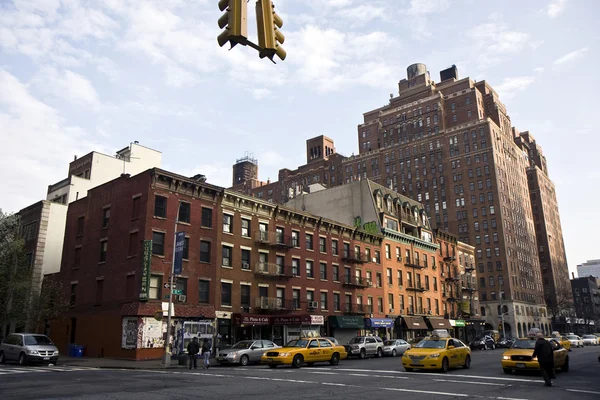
(309, 269)
(295, 267)
(186, 248)
(334, 247)
(158, 243)
(204, 251)
(227, 223)
(390, 279)
(377, 257)
(225, 294)
(309, 241)
(73, 294)
(76, 261)
(80, 222)
(295, 239)
(206, 217)
(380, 305)
(310, 295)
(184, 213)
(105, 217)
(133, 244)
(388, 254)
(181, 284)
(245, 259)
(336, 273)
(378, 277)
(155, 287)
(226, 256)
(323, 270)
(323, 300)
(245, 296)
(135, 208)
(245, 227)
(336, 302)
(346, 250)
(203, 291)
(279, 235)
(435, 284)
(160, 206)
(103, 248)
(296, 298)
(322, 245)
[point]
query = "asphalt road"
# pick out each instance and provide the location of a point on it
(350, 380)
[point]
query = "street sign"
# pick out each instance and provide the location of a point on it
(177, 291)
(166, 296)
(166, 286)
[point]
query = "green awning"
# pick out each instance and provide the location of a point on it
(347, 322)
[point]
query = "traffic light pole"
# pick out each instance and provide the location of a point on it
(167, 355)
(502, 314)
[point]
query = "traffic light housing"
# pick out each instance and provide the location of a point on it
(269, 35)
(234, 21)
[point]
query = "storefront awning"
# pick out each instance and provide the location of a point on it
(379, 323)
(414, 323)
(439, 323)
(346, 322)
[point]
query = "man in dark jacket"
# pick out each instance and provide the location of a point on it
(545, 355)
(193, 349)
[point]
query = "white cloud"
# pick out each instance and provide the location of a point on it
(66, 85)
(574, 55)
(556, 8)
(420, 7)
(36, 142)
(261, 93)
(539, 70)
(511, 86)
(363, 13)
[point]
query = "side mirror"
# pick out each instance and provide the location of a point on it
(253, 347)
(450, 347)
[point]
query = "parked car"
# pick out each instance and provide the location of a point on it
(333, 340)
(305, 351)
(590, 340)
(245, 352)
(483, 343)
(575, 340)
(395, 347)
(363, 346)
(28, 348)
(505, 343)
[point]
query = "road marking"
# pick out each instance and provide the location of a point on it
(475, 383)
(427, 392)
(416, 374)
(582, 391)
(333, 384)
(324, 373)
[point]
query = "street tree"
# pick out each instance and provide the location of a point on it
(560, 305)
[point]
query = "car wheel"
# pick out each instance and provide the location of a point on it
(2, 358)
(493, 347)
(507, 370)
(565, 368)
(445, 365)
(335, 359)
(298, 361)
(272, 365)
(467, 362)
(485, 347)
(363, 354)
(394, 353)
(22, 360)
(408, 369)
(379, 352)
(244, 360)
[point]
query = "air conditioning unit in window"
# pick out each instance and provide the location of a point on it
(398, 258)
(226, 262)
(245, 265)
(182, 298)
(391, 310)
(313, 304)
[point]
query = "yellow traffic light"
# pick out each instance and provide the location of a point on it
(234, 21)
(269, 35)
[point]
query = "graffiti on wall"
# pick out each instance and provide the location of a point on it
(150, 333)
(370, 227)
(129, 338)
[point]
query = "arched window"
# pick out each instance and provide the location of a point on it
(483, 311)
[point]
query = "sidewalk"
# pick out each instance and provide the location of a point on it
(123, 364)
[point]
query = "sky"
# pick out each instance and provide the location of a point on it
(79, 76)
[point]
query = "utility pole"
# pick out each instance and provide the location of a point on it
(167, 355)
(502, 313)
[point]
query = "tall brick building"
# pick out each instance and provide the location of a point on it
(450, 145)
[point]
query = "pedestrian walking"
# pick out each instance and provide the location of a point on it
(193, 349)
(206, 353)
(545, 355)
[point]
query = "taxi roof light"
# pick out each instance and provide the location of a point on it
(440, 333)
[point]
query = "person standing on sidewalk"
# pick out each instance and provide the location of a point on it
(206, 353)
(545, 355)
(193, 349)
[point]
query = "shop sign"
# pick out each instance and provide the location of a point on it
(459, 322)
(292, 320)
(317, 320)
(223, 314)
(146, 262)
(254, 320)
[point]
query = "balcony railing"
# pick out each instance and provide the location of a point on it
(415, 287)
(414, 264)
(358, 309)
(274, 239)
(273, 270)
(274, 304)
(356, 281)
(354, 257)
(449, 259)
(409, 219)
(413, 310)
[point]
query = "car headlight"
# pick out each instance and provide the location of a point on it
(284, 354)
(506, 357)
(534, 359)
(55, 353)
(232, 354)
(482, 342)
(354, 347)
(32, 352)
(436, 355)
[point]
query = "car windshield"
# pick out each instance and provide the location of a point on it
(356, 340)
(573, 337)
(589, 337)
(298, 343)
(37, 340)
(524, 344)
(431, 344)
(390, 342)
(242, 345)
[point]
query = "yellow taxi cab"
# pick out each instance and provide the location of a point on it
(563, 340)
(520, 356)
(440, 351)
(305, 351)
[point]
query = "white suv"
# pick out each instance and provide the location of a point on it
(363, 346)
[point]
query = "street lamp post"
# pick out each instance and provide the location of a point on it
(167, 355)
(502, 314)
